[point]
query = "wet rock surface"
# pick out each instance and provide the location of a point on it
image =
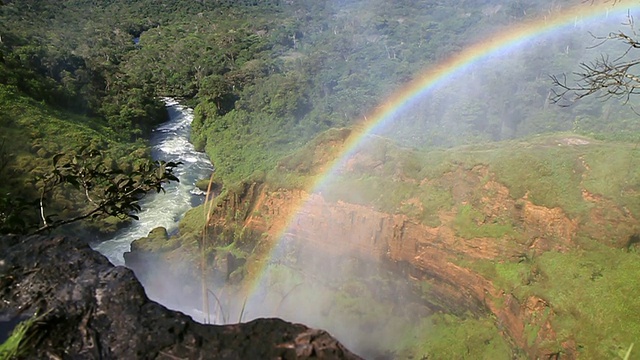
(85, 308)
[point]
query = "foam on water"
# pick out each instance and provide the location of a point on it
(170, 142)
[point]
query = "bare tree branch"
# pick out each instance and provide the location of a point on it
(604, 77)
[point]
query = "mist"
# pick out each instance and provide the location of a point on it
(338, 262)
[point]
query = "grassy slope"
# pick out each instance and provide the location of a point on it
(549, 173)
(591, 287)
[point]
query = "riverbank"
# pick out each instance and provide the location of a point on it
(168, 142)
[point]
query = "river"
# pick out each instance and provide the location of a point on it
(169, 142)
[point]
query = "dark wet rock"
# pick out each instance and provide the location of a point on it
(88, 309)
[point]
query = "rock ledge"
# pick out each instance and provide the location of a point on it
(89, 309)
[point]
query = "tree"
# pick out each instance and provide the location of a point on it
(607, 76)
(106, 191)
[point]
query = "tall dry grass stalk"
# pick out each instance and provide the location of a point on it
(215, 318)
(208, 207)
(242, 310)
(628, 354)
(208, 210)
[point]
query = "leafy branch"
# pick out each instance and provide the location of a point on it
(108, 192)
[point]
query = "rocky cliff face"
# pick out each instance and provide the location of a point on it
(438, 254)
(432, 253)
(489, 221)
(84, 307)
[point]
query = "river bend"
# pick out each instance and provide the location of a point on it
(169, 142)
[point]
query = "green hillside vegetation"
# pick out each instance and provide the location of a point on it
(54, 99)
(550, 173)
(267, 76)
(588, 286)
(33, 133)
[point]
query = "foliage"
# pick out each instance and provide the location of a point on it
(470, 224)
(23, 336)
(10, 349)
(78, 79)
(33, 133)
(439, 337)
(107, 191)
(587, 289)
(578, 284)
(268, 76)
(193, 220)
(288, 70)
(590, 316)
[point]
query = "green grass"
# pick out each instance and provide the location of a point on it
(589, 288)
(306, 160)
(385, 176)
(593, 294)
(10, 349)
(615, 174)
(510, 276)
(193, 220)
(531, 330)
(383, 193)
(16, 345)
(48, 128)
(445, 336)
(469, 224)
(549, 176)
(278, 179)
(543, 169)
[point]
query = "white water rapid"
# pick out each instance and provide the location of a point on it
(170, 142)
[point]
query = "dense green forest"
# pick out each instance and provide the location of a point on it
(61, 91)
(266, 86)
(265, 78)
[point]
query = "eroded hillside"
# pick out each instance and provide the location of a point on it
(531, 236)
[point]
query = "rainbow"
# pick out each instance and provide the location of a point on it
(499, 44)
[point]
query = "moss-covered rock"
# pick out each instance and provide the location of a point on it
(204, 185)
(155, 241)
